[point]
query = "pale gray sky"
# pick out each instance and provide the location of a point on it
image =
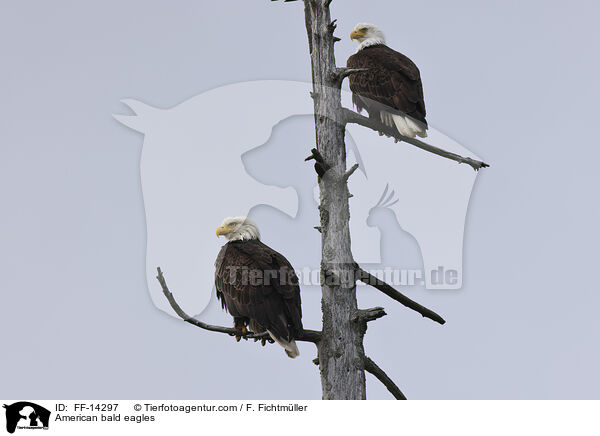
(515, 82)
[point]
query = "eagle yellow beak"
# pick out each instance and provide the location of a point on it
(356, 34)
(223, 230)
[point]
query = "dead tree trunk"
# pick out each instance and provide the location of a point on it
(341, 352)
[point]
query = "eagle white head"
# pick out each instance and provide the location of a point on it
(238, 228)
(367, 34)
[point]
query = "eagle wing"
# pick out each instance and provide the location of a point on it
(272, 300)
(392, 81)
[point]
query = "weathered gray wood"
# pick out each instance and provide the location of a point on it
(341, 352)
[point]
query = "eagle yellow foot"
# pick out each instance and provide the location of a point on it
(380, 133)
(243, 331)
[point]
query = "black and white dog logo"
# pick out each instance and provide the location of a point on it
(26, 415)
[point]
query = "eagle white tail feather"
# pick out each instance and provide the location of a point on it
(419, 130)
(291, 349)
(407, 126)
(402, 126)
(386, 118)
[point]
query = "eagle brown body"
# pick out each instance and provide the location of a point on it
(259, 288)
(392, 84)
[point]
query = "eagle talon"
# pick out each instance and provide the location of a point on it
(241, 332)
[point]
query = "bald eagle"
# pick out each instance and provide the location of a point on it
(257, 285)
(391, 89)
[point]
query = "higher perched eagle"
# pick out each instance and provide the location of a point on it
(391, 89)
(257, 285)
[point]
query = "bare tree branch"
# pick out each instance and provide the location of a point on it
(339, 74)
(348, 173)
(372, 368)
(350, 116)
(307, 335)
(388, 290)
(366, 315)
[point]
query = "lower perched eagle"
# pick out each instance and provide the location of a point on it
(391, 89)
(257, 285)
